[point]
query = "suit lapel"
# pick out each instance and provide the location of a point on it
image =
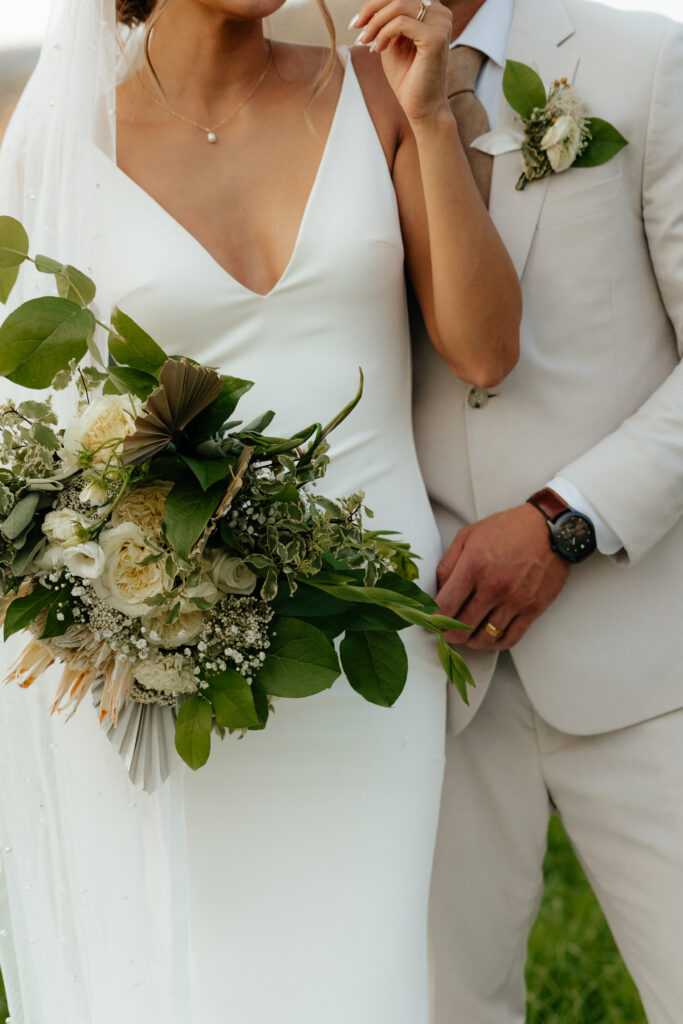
(538, 28)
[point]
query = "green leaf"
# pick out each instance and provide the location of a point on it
(35, 540)
(523, 88)
(123, 381)
(212, 419)
(134, 347)
(400, 585)
(367, 595)
(376, 665)
(233, 701)
(55, 626)
(300, 661)
(605, 143)
(262, 705)
(23, 610)
(20, 517)
(13, 252)
(289, 493)
(193, 732)
(368, 618)
(210, 471)
(456, 669)
(41, 338)
(309, 603)
(72, 284)
(187, 511)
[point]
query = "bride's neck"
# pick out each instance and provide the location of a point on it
(200, 57)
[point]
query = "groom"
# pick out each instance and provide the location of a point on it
(579, 667)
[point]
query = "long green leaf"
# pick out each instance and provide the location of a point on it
(523, 88)
(23, 610)
(41, 337)
(134, 347)
(376, 665)
(300, 661)
(186, 513)
(456, 669)
(193, 732)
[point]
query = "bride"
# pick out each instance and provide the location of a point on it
(252, 205)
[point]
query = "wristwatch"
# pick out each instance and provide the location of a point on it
(572, 534)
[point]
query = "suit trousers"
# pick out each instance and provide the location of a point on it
(620, 797)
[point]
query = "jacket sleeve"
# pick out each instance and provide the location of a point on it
(634, 476)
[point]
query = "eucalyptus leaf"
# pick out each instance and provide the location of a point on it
(35, 542)
(233, 701)
(72, 284)
(376, 665)
(13, 251)
(606, 142)
(20, 517)
(523, 88)
(23, 610)
(41, 337)
(300, 661)
(187, 511)
(134, 347)
(193, 732)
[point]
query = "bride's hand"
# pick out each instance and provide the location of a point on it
(414, 53)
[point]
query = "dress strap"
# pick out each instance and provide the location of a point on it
(343, 54)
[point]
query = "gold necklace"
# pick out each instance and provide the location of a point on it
(211, 136)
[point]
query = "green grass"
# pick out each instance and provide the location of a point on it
(574, 972)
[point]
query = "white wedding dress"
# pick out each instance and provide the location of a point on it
(286, 882)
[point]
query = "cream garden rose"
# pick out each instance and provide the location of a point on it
(125, 583)
(170, 674)
(562, 142)
(184, 630)
(231, 575)
(143, 506)
(105, 420)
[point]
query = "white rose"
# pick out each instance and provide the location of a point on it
(85, 560)
(204, 591)
(562, 142)
(231, 575)
(94, 494)
(183, 631)
(170, 674)
(61, 527)
(103, 421)
(124, 583)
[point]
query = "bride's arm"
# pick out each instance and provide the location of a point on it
(463, 277)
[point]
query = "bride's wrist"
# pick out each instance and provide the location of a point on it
(435, 124)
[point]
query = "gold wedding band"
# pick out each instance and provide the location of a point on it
(424, 5)
(493, 631)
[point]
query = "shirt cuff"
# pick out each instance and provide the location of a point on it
(607, 540)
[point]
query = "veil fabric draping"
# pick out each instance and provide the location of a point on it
(65, 116)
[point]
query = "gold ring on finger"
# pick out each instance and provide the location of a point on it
(424, 7)
(493, 631)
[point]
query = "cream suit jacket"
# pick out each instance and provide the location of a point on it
(598, 393)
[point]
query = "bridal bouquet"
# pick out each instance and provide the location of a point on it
(180, 564)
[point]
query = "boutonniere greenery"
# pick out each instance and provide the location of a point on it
(557, 131)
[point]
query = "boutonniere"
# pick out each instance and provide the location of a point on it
(557, 131)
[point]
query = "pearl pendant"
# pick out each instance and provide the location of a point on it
(211, 137)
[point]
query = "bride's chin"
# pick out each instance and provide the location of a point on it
(243, 10)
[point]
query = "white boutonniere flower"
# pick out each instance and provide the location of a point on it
(557, 132)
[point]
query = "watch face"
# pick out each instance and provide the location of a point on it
(574, 536)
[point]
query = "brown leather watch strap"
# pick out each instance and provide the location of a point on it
(549, 503)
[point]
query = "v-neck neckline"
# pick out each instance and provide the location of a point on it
(324, 159)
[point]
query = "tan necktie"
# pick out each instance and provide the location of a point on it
(464, 65)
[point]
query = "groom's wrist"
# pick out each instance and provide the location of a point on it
(571, 532)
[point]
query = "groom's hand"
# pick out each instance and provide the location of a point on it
(503, 571)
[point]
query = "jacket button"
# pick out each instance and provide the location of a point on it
(478, 397)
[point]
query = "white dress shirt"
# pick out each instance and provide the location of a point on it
(488, 31)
